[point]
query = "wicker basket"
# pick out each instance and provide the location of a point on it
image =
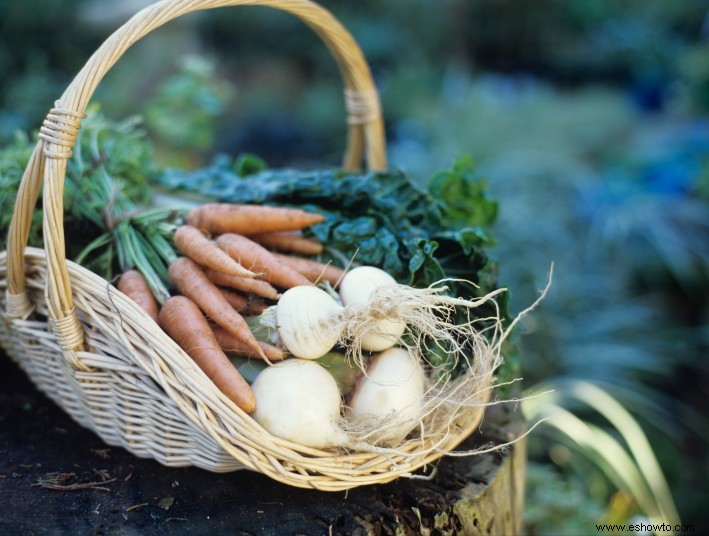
(101, 358)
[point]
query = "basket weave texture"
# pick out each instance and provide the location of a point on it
(100, 357)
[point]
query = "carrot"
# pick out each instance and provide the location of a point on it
(183, 321)
(250, 254)
(244, 305)
(250, 286)
(288, 241)
(232, 344)
(190, 241)
(223, 218)
(133, 284)
(314, 271)
(193, 283)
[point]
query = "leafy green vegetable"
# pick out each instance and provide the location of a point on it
(382, 219)
(460, 193)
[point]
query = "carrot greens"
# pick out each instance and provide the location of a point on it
(107, 220)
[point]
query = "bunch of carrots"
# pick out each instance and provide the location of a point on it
(231, 269)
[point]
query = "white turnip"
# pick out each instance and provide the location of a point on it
(298, 400)
(389, 395)
(307, 320)
(356, 290)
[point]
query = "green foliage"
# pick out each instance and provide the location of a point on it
(633, 469)
(461, 196)
(13, 161)
(617, 235)
(694, 76)
(558, 505)
(118, 149)
(105, 150)
(249, 164)
(184, 112)
(107, 181)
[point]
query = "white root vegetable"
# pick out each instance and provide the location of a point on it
(298, 400)
(355, 290)
(395, 396)
(307, 320)
(389, 396)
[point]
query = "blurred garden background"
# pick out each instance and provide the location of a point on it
(588, 119)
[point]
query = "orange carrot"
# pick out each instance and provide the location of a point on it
(193, 283)
(244, 305)
(133, 284)
(233, 345)
(183, 321)
(190, 241)
(250, 286)
(289, 241)
(315, 271)
(250, 219)
(258, 258)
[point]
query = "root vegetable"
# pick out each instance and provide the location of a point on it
(243, 305)
(355, 290)
(133, 284)
(307, 320)
(250, 219)
(249, 286)
(298, 400)
(389, 395)
(191, 281)
(183, 321)
(257, 258)
(232, 344)
(203, 251)
(314, 271)
(289, 241)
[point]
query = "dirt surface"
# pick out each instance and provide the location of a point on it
(59, 478)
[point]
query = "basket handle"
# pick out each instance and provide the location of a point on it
(60, 129)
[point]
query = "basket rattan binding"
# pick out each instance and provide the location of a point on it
(102, 359)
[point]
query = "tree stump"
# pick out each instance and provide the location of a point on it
(59, 478)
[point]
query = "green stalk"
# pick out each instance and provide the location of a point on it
(148, 263)
(161, 245)
(121, 248)
(148, 251)
(99, 242)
